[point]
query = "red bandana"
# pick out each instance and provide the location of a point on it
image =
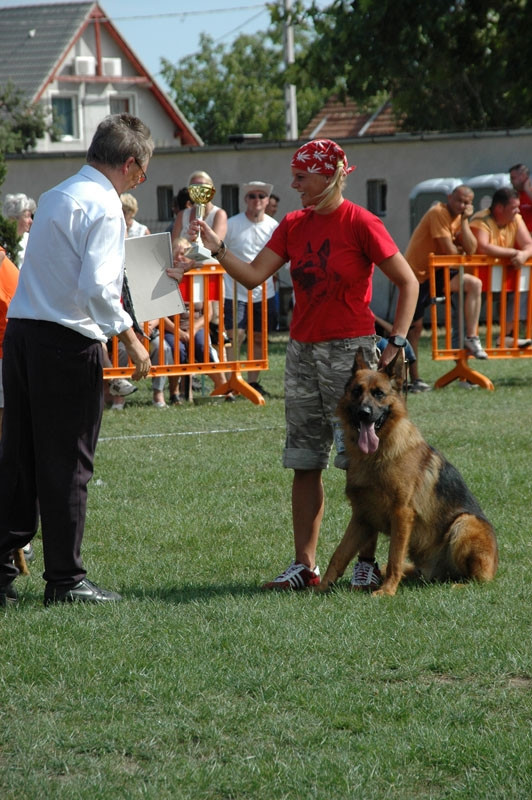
(321, 156)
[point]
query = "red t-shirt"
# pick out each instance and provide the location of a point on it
(332, 257)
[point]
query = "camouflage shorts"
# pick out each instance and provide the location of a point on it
(315, 379)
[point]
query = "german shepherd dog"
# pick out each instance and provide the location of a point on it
(400, 486)
(20, 561)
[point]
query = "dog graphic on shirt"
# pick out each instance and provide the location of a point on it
(311, 274)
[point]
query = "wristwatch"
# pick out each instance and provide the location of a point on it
(397, 341)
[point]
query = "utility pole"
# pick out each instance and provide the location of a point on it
(289, 89)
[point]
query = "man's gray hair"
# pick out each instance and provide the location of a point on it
(117, 138)
(16, 204)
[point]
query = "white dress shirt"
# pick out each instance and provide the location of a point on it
(74, 264)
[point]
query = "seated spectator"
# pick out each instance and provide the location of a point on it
(444, 230)
(502, 234)
(183, 335)
(130, 208)
(117, 389)
(180, 248)
(159, 381)
(20, 209)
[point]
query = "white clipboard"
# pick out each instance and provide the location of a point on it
(153, 293)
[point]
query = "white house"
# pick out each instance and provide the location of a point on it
(70, 58)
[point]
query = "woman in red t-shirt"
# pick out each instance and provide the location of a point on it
(332, 246)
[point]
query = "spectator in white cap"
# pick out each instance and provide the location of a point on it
(247, 233)
(20, 209)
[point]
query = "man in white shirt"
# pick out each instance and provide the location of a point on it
(247, 233)
(66, 304)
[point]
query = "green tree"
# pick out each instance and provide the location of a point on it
(21, 123)
(239, 88)
(447, 64)
(8, 229)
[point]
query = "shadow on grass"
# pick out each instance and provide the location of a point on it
(193, 593)
(512, 381)
(202, 593)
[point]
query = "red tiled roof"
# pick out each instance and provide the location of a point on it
(338, 120)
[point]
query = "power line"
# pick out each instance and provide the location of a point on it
(238, 27)
(183, 14)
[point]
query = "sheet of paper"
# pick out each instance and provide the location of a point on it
(154, 294)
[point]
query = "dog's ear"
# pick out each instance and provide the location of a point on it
(396, 370)
(360, 361)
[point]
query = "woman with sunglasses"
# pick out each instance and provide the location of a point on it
(247, 233)
(332, 246)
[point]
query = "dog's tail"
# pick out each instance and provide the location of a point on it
(474, 548)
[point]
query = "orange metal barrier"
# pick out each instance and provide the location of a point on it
(205, 285)
(503, 288)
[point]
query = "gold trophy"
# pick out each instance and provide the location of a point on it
(200, 194)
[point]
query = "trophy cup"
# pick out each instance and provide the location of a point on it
(200, 194)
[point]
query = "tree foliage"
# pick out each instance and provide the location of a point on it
(225, 90)
(9, 239)
(21, 123)
(448, 64)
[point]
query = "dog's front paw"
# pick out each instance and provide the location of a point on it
(385, 591)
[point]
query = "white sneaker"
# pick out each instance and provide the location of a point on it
(472, 343)
(296, 576)
(366, 576)
(119, 387)
(522, 344)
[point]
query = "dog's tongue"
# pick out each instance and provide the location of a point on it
(368, 441)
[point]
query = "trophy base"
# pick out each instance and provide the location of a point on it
(198, 252)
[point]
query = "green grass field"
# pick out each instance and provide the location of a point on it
(198, 685)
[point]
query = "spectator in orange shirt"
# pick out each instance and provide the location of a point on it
(501, 233)
(444, 230)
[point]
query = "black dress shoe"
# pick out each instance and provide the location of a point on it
(83, 592)
(8, 595)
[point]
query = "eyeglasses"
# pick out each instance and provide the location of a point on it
(143, 177)
(253, 196)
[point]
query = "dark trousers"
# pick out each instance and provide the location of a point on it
(53, 395)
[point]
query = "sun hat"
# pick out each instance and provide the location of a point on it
(257, 186)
